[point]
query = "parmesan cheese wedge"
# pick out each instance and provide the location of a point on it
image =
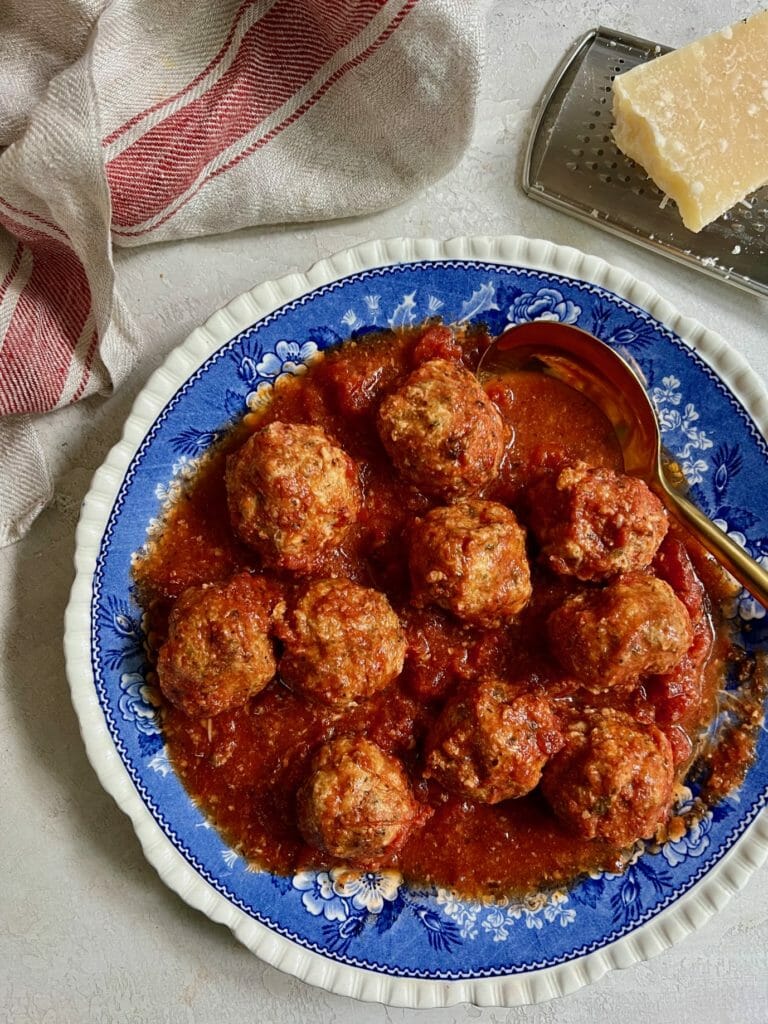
(696, 119)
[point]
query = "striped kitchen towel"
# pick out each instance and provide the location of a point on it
(134, 121)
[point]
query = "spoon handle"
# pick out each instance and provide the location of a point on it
(733, 557)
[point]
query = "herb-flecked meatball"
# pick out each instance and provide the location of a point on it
(343, 642)
(613, 779)
(442, 432)
(292, 495)
(491, 742)
(634, 626)
(218, 653)
(357, 804)
(469, 558)
(594, 523)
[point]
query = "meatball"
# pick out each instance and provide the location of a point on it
(491, 742)
(343, 643)
(441, 431)
(613, 779)
(595, 523)
(218, 653)
(610, 637)
(292, 495)
(357, 804)
(469, 558)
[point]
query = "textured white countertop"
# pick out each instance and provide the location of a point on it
(87, 930)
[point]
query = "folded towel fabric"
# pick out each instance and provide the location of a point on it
(135, 121)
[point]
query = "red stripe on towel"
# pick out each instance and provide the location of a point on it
(47, 322)
(115, 135)
(276, 58)
(285, 123)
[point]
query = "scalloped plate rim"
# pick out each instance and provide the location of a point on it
(672, 924)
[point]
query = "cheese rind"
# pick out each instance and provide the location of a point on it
(696, 119)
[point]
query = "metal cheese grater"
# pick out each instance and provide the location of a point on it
(573, 165)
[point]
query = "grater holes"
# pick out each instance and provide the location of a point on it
(601, 178)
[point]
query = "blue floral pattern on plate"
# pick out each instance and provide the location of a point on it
(372, 919)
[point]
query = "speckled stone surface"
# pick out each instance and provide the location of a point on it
(87, 930)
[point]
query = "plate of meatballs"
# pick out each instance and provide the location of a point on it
(400, 675)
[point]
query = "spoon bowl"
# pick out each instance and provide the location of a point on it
(588, 365)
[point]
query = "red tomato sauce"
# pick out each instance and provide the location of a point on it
(244, 767)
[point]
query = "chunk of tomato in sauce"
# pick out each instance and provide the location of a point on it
(678, 694)
(437, 342)
(355, 384)
(437, 654)
(673, 565)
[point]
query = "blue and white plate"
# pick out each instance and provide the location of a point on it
(367, 934)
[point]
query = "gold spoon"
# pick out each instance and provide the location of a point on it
(587, 364)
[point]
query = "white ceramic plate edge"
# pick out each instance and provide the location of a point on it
(670, 926)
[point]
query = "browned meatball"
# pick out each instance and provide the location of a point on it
(491, 742)
(612, 780)
(218, 653)
(594, 523)
(357, 804)
(609, 637)
(343, 643)
(441, 430)
(292, 495)
(469, 558)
